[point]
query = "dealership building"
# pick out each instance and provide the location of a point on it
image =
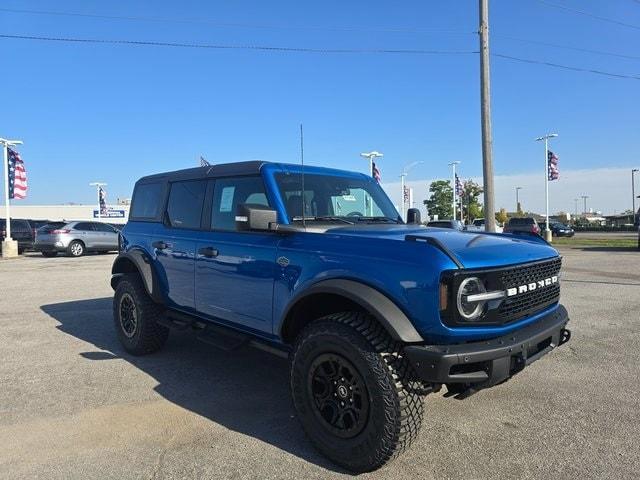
(116, 214)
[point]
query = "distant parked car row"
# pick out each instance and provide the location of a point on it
(514, 225)
(73, 238)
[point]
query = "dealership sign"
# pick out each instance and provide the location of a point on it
(110, 213)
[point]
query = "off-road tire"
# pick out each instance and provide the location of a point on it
(76, 249)
(49, 254)
(148, 336)
(395, 402)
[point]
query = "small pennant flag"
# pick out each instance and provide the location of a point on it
(203, 162)
(406, 193)
(552, 163)
(375, 173)
(17, 176)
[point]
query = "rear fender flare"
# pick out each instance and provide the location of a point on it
(137, 261)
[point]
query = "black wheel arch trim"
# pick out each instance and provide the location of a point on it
(370, 299)
(143, 265)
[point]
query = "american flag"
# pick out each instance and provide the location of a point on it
(375, 173)
(552, 163)
(102, 200)
(17, 176)
(459, 188)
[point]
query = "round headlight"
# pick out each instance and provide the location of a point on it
(470, 310)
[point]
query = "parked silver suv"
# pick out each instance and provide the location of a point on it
(75, 238)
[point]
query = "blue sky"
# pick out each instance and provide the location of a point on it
(114, 113)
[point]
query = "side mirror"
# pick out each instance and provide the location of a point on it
(413, 216)
(251, 216)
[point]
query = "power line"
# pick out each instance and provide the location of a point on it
(238, 47)
(213, 23)
(568, 47)
(565, 67)
(587, 14)
(307, 50)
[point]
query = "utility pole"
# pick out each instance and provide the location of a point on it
(98, 186)
(575, 202)
(518, 199)
(584, 199)
(9, 246)
(453, 184)
(485, 108)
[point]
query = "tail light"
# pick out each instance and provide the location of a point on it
(535, 229)
(59, 231)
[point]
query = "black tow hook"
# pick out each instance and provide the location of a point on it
(565, 336)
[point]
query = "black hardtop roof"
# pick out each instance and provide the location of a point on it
(222, 170)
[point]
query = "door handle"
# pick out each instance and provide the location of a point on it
(209, 252)
(160, 245)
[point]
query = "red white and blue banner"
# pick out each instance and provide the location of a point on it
(459, 189)
(102, 200)
(552, 166)
(17, 176)
(375, 173)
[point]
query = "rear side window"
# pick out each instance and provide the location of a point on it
(231, 192)
(184, 209)
(84, 226)
(147, 201)
(102, 227)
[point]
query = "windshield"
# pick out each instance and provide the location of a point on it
(335, 199)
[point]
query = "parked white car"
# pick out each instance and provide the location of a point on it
(478, 226)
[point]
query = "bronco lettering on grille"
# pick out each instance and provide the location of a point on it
(530, 287)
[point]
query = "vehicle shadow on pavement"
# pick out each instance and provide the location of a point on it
(245, 390)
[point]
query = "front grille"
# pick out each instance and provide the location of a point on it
(525, 304)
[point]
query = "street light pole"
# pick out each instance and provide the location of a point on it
(518, 199)
(98, 185)
(584, 199)
(453, 184)
(575, 206)
(405, 172)
(9, 247)
(633, 192)
(547, 231)
(370, 156)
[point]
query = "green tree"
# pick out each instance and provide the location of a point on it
(439, 203)
(501, 216)
(471, 206)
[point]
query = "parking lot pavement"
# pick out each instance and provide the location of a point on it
(74, 405)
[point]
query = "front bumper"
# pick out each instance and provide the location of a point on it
(489, 362)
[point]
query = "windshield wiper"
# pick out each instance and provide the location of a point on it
(324, 217)
(378, 219)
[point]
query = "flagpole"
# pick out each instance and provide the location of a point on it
(453, 184)
(10, 247)
(98, 186)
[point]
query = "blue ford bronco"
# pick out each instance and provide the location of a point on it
(315, 264)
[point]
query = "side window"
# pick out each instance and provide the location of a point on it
(84, 226)
(101, 227)
(184, 209)
(147, 200)
(228, 193)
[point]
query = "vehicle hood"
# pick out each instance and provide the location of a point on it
(471, 249)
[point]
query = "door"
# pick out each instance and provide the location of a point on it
(107, 236)
(235, 271)
(174, 241)
(85, 232)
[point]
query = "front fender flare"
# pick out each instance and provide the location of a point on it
(142, 264)
(373, 301)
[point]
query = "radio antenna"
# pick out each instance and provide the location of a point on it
(302, 174)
